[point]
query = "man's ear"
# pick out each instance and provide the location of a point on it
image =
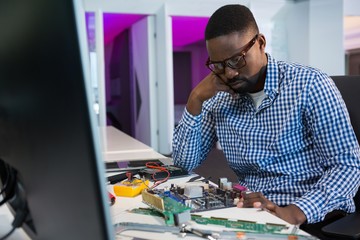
(262, 41)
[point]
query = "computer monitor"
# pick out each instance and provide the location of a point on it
(48, 133)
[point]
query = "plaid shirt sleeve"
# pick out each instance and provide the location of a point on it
(193, 139)
(337, 149)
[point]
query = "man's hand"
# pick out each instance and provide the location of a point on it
(291, 213)
(206, 89)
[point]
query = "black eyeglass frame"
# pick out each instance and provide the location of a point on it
(226, 62)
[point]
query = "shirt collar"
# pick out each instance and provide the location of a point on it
(272, 80)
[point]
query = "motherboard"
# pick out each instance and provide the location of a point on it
(177, 201)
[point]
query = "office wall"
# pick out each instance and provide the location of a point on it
(198, 57)
(272, 22)
(307, 32)
(182, 76)
(142, 79)
(117, 83)
(326, 37)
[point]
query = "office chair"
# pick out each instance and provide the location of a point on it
(348, 226)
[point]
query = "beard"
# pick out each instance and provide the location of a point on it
(241, 84)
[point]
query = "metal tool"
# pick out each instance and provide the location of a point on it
(125, 226)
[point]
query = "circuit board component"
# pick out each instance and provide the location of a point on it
(246, 226)
(174, 212)
(202, 196)
(176, 202)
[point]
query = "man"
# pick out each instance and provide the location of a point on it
(283, 127)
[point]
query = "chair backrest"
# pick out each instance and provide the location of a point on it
(349, 87)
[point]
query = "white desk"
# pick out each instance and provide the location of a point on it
(119, 213)
(118, 146)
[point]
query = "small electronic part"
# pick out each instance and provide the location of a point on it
(121, 176)
(239, 188)
(193, 191)
(225, 184)
(130, 188)
(221, 182)
(174, 212)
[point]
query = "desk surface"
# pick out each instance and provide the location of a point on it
(118, 146)
(120, 213)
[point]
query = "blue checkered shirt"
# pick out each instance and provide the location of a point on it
(297, 148)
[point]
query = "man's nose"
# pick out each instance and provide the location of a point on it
(230, 73)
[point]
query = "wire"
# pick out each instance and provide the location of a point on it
(8, 234)
(19, 219)
(7, 169)
(10, 187)
(129, 176)
(154, 165)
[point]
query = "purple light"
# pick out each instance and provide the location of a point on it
(188, 30)
(185, 30)
(116, 23)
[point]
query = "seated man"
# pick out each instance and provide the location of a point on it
(283, 127)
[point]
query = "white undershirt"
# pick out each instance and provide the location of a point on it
(257, 98)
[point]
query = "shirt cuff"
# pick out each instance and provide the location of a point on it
(191, 120)
(310, 210)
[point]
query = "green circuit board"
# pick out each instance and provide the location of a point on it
(244, 226)
(173, 211)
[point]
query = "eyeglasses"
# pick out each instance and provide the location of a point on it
(236, 61)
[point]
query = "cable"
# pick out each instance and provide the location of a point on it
(18, 221)
(7, 170)
(154, 165)
(10, 188)
(8, 234)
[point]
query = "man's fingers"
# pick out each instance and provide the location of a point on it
(257, 204)
(271, 207)
(240, 204)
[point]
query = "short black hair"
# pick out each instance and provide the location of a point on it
(228, 19)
